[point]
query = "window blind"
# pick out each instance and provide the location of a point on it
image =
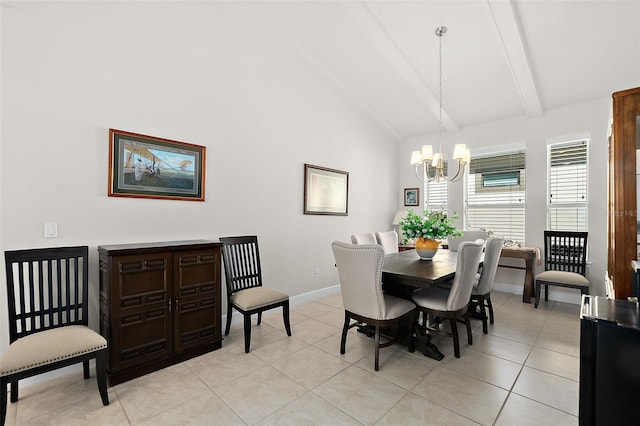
(436, 195)
(495, 194)
(567, 186)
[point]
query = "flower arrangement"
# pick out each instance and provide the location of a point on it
(434, 225)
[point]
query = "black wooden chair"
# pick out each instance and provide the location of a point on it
(565, 262)
(245, 292)
(47, 293)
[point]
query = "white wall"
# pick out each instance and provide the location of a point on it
(584, 119)
(202, 73)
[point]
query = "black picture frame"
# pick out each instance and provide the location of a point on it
(326, 191)
(412, 196)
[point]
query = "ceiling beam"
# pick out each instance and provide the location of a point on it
(516, 54)
(373, 28)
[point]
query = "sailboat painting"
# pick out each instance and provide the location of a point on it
(150, 167)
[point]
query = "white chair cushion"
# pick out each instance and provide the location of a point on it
(396, 307)
(564, 277)
(432, 298)
(257, 297)
(49, 346)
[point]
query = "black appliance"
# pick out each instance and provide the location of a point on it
(609, 362)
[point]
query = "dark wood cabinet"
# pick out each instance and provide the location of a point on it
(159, 304)
(623, 218)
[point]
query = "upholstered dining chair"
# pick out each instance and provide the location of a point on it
(454, 242)
(245, 293)
(366, 238)
(565, 262)
(481, 291)
(388, 240)
(360, 274)
(453, 303)
(48, 297)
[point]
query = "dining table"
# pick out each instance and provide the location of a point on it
(404, 272)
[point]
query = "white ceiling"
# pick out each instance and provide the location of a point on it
(500, 58)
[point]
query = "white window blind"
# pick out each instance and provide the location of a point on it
(495, 191)
(436, 195)
(567, 188)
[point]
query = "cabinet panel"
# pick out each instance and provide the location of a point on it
(143, 332)
(197, 286)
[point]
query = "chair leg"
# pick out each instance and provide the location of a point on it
(376, 363)
(14, 391)
(538, 290)
(345, 330)
(259, 317)
(101, 376)
(483, 313)
(285, 316)
(454, 335)
(229, 312)
(490, 305)
(546, 292)
(247, 332)
(467, 323)
(85, 370)
(3, 400)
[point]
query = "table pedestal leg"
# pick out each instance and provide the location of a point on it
(422, 342)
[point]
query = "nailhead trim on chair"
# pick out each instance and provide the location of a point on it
(12, 353)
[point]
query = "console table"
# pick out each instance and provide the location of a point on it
(528, 254)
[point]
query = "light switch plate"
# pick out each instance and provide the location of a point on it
(51, 230)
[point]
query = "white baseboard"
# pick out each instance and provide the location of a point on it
(296, 300)
(557, 294)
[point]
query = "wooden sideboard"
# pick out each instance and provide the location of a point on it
(159, 304)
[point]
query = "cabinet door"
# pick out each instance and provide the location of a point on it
(140, 303)
(197, 292)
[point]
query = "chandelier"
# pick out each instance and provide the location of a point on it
(433, 163)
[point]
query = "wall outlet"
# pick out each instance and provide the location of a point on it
(316, 272)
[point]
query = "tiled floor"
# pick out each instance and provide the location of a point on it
(524, 372)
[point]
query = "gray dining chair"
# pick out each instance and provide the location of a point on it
(388, 240)
(481, 292)
(360, 273)
(454, 242)
(452, 303)
(367, 238)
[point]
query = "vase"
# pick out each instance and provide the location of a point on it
(426, 248)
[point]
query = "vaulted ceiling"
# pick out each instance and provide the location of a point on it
(500, 58)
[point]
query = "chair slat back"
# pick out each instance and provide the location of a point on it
(565, 251)
(241, 263)
(46, 288)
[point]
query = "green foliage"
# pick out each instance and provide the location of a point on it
(435, 225)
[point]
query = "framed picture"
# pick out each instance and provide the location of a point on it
(412, 196)
(149, 167)
(326, 191)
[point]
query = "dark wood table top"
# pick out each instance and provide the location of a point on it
(406, 268)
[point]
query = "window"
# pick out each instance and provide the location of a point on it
(435, 195)
(494, 198)
(567, 186)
